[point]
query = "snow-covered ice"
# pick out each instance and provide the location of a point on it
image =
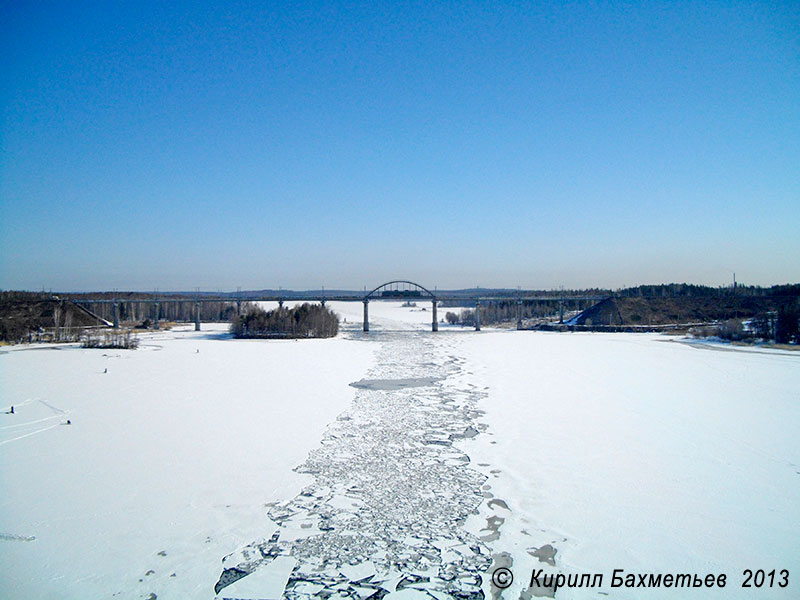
(169, 459)
(630, 451)
(572, 453)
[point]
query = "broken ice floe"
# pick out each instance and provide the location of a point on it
(384, 515)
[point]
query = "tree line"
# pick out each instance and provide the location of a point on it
(144, 312)
(781, 326)
(507, 311)
(678, 290)
(304, 321)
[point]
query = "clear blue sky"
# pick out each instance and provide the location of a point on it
(341, 144)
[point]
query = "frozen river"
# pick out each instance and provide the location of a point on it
(254, 468)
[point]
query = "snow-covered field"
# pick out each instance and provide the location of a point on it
(620, 451)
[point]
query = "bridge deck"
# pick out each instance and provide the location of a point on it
(334, 298)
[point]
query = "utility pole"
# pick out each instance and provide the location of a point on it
(197, 309)
(116, 309)
(157, 308)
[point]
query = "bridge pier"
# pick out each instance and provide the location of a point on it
(477, 315)
(197, 316)
(238, 307)
(280, 304)
(158, 315)
(519, 314)
(366, 314)
(435, 319)
(322, 302)
(116, 315)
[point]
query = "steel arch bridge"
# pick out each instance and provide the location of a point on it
(405, 289)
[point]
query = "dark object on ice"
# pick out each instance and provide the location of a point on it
(469, 432)
(11, 412)
(395, 384)
(545, 554)
(69, 422)
(106, 370)
(228, 577)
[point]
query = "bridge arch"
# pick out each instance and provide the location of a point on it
(388, 284)
(417, 292)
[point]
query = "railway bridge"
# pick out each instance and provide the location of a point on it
(396, 289)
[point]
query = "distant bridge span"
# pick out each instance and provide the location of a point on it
(395, 289)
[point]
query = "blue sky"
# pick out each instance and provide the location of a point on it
(342, 144)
